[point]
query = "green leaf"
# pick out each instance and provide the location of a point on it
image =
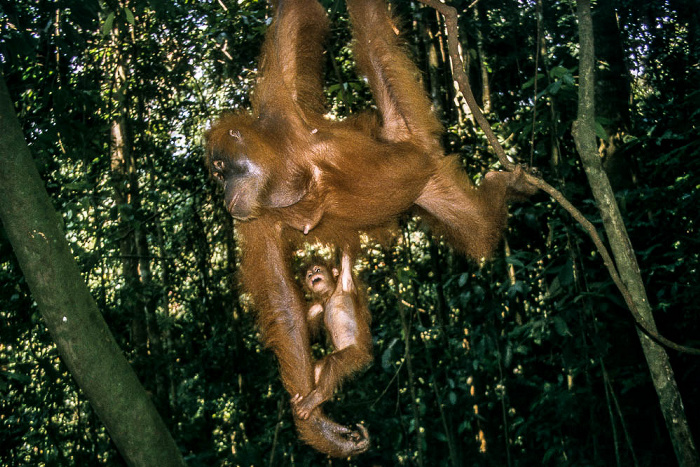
(559, 71)
(514, 261)
(129, 16)
(554, 87)
(561, 327)
(463, 278)
(452, 397)
(600, 131)
(531, 82)
(107, 26)
(387, 356)
(24, 379)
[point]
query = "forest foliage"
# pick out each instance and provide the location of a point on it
(529, 359)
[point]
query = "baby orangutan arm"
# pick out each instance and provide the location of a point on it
(347, 321)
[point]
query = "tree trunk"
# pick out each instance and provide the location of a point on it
(124, 183)
(141, 302)
(84, 341)
(481, 26)
(657, 359)
(613, 96)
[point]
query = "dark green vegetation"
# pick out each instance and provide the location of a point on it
(532, 359)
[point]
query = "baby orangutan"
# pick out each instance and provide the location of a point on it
(347, 320)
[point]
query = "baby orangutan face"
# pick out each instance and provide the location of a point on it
(320, 281)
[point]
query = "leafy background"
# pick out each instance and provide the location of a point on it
(531, 359)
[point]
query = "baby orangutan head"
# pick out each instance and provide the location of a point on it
(319, 279)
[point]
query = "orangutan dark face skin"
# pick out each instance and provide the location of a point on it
(290, 175)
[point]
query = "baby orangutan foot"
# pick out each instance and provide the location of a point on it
(304, 405)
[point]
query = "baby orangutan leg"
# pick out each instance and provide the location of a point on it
(334, 368)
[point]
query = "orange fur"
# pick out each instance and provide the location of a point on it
(290, 175)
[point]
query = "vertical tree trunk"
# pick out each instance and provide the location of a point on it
(481, 25)
(432, 62)
(613, 96)
(123, 181)
(133, 243)
(84, 341)
(657, 359)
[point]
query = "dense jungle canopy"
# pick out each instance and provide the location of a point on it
(532, 358)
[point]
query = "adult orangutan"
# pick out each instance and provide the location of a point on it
(290, 175)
